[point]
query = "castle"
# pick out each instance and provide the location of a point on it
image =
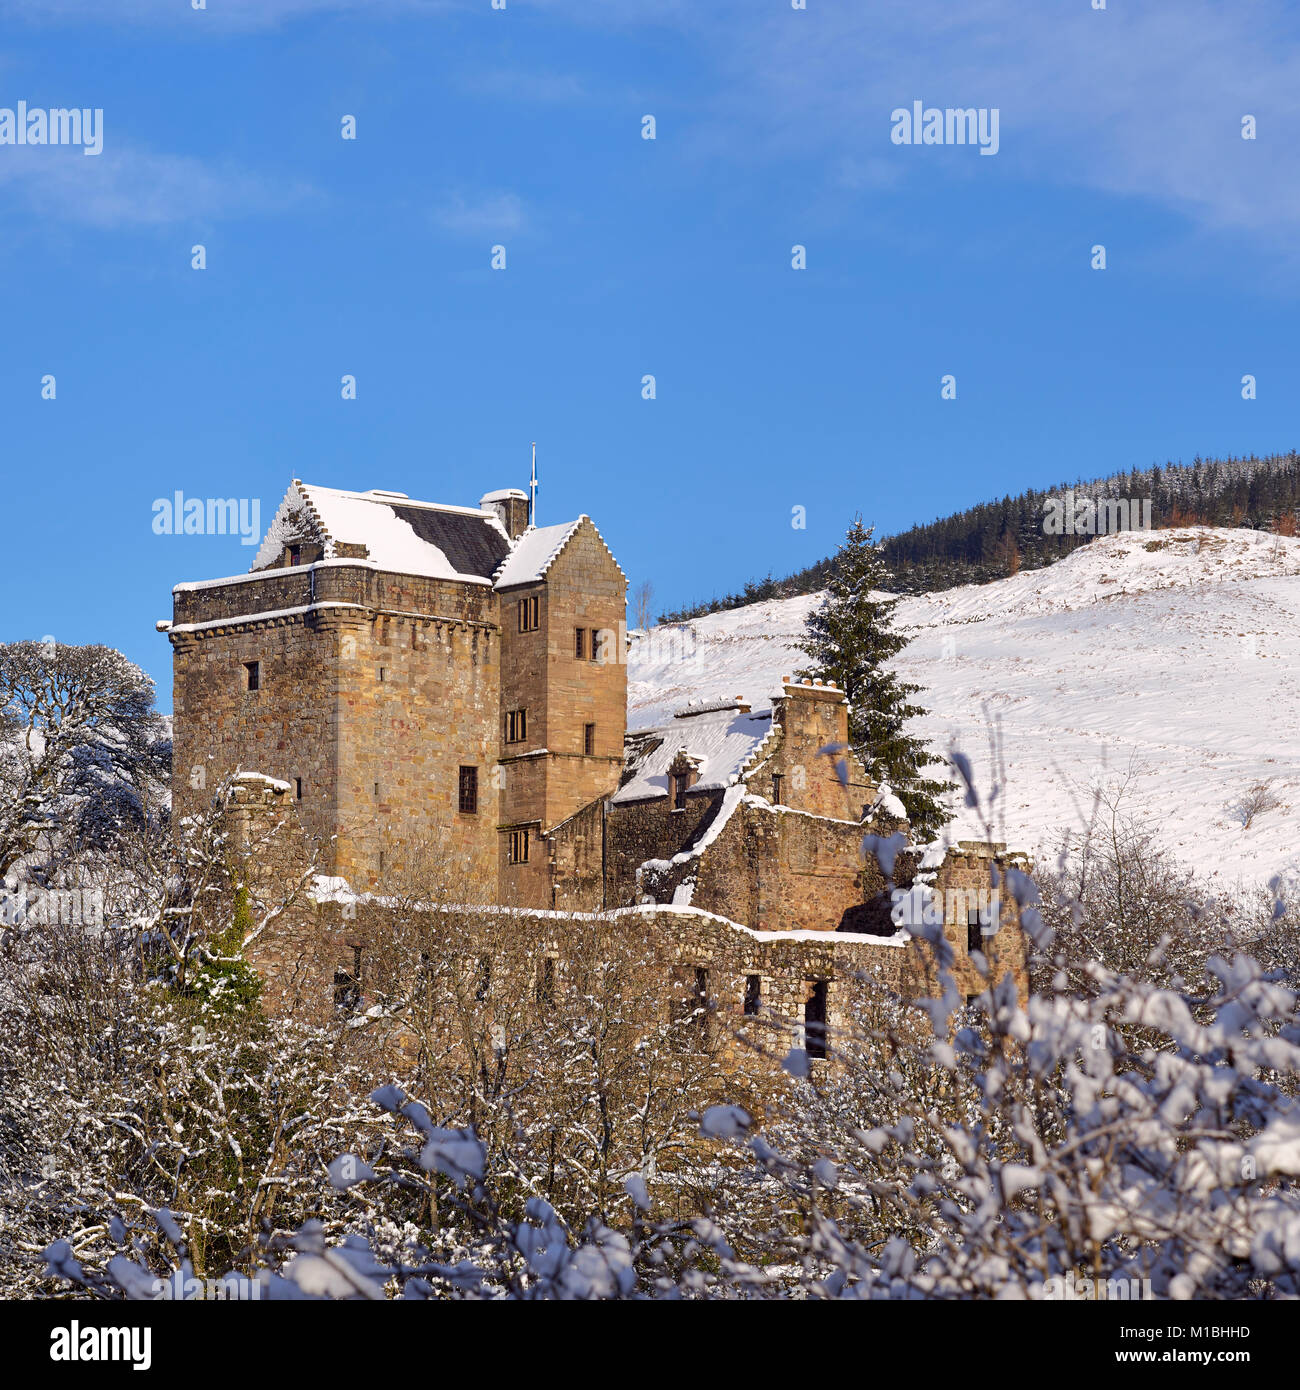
(419, 674)
(416, 680)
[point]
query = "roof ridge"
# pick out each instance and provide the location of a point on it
(331, 541)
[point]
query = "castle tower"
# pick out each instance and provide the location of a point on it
(410, 671)
(563, 692)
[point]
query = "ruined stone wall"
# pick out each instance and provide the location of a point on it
(808, 718)
(577, 860)
(977, 870)
(684, 940)
(642, 830)
(304, 948)
(775, 869)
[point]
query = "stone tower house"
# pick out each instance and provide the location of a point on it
(438, 686)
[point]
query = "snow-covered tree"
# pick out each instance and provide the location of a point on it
(850, 639)
(84, 756)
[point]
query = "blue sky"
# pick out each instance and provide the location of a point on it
(776, 388)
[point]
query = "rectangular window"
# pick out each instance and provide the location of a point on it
(701, 1001)
(469, 791)
(295, 554)
(753, 994)
(530, 613)
(517, 726)
(376, 790)
(297, 786)
(814, 1019)
(776, 788)
(252, 675)
(347, 984)
(679, 781)
(383, 674)
(589, 739)
(580, 643)
(974, 936)
(517, 848)
(345, 991)
(596, 654)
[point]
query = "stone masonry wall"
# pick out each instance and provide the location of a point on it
(386, 679)
(642, 830)
(286, 729)
(583, 588)
(781, 870)
(809, 718)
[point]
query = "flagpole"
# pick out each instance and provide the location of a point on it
(532, 501)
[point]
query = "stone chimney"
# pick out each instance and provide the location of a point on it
(812, 716)
(510, 504)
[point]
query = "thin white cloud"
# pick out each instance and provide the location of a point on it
(485, 215)
(132, 187)
(1138, 100)
(1144, 102)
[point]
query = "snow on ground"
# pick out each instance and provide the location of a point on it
(1170, 659)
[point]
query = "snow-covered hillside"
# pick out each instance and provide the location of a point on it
(1171, 658)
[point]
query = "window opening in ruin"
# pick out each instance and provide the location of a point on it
(814, 1019)
(753, 994)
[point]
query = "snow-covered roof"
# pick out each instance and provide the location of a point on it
(534, 553)
(410, 537)
(720, 739)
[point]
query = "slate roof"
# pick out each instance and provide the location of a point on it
(412, 537)
(470, 545)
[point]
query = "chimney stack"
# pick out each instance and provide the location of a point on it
(510, 505)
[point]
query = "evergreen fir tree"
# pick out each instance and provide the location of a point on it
(849, 639)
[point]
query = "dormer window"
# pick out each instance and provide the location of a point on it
(683, 773)
(295, 554)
